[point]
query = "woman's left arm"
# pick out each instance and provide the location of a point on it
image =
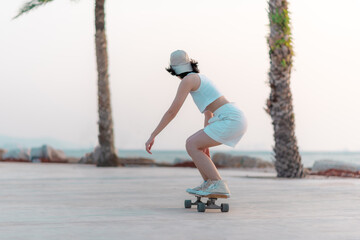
(182, 92)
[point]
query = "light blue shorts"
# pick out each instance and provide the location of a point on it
(228, 125)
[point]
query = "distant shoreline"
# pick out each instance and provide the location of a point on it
(169, 156)
(173, 156)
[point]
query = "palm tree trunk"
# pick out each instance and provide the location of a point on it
(106, 136)
(279, 105)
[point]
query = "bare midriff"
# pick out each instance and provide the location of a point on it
(216, 104)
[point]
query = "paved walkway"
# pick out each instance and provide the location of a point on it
(71, 201)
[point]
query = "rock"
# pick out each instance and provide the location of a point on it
(2, 152)
(221, 159)
(224, 160)
(335, 168)
(44, 153)
(338, 173)
(227, 160)
(17, 155)
(184, 164)
(163, 164)
(136, 161)
(47, 153)
(72, 159)
(307, 171)
(181, 160)
(91, 158)
(324, 165)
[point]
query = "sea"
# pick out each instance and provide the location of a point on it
(170, 156)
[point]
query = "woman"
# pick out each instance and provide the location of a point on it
(224, 122)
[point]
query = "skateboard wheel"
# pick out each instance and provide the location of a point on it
(201, 207)
(224, 207)
(187, 203)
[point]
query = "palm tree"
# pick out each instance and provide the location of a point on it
(279, 105)
(108, 155)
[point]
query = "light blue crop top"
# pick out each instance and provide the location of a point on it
(205, 94)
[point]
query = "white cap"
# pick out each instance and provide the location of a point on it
(180, 62)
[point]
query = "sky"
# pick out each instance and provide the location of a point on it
(48, 70)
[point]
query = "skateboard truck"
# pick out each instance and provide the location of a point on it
(210, 204)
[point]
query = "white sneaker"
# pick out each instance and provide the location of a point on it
(198, 188)
(219, 187)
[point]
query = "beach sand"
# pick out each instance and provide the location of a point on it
(73, 201)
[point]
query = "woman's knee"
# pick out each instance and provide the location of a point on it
(191, 146)
(188, 145)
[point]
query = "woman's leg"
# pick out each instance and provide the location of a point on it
(195, 145)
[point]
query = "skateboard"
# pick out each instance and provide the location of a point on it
(210, 203)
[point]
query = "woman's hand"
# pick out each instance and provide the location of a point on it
(149, 144)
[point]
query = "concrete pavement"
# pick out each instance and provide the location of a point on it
(73, 201)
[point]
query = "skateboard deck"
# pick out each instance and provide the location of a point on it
(211, 196)
(209, 204)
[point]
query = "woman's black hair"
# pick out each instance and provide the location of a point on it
(194, 65)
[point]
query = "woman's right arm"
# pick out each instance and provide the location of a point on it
(184, 88)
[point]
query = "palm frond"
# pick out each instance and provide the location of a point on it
(31, 5)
